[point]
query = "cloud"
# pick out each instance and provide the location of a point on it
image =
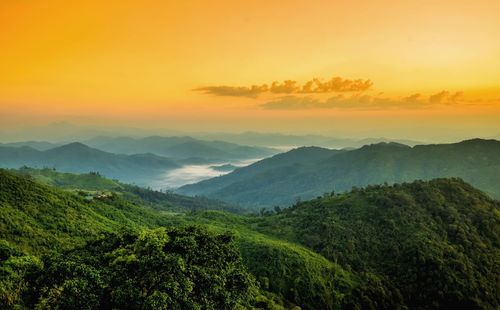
(363, 102)
(446, 97)
(412, 98)
(251, 92)
(314, 86)
(336, 84)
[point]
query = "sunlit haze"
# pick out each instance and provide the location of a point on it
(426, 70)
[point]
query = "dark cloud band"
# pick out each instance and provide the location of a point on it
(364, 102)
(314, 86)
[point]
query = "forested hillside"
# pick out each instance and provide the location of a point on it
(44, 231)
(93, 184)
(37, 218)
(285, 178)
(436, 242)
(423, 245)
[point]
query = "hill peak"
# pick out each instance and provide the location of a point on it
(476, 141)
(73, 147)
(386, 145)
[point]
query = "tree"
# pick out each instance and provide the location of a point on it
(183, 268)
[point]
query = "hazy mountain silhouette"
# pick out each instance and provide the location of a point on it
(77, 157)
(180, 148)
(308, 172)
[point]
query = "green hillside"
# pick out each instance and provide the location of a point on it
(437, 242)
(292, 272)
(37, 219)
(302, 174)
(424, 245)
(93, 184)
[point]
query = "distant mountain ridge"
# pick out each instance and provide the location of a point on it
(180, 148)
(301, 174)
(80, 158)
(290, 140)
(143, 161)
(38, 145)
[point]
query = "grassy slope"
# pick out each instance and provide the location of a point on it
(91, 182)
(36, 218)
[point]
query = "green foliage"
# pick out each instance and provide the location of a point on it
(292, 274)
(180, 268)
(91, 184)
(296, 274)
(38, 218)
(87, 181)
(424, 245)
(14, 267)
(436, 242)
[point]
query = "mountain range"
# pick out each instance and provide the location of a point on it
(184, 148)
(77, 157)
(287, 141)
(307, 172)
(37, 145)
(132, 160)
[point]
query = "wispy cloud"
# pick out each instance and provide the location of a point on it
(446, 97)
(363, 102)
(243, 91)
(314, 86)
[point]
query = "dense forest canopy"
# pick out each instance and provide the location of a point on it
(420, 245)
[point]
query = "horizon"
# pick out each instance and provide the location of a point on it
(425, 71)
(65, 132)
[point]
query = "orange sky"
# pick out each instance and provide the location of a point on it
(162, 64)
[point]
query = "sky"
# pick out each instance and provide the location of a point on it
(402, 69)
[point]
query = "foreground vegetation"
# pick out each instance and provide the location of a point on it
(423, 245)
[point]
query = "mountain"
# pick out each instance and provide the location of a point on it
(287, 141)
(224, 168)
(424, 245)
(180, 148)
(437, 243)
(63, 132)
(302, 174)
(270, 170)
(37, 145)
(77, 157)
(83, 241)
(86, 273)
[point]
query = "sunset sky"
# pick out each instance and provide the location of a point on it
(414, 69)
